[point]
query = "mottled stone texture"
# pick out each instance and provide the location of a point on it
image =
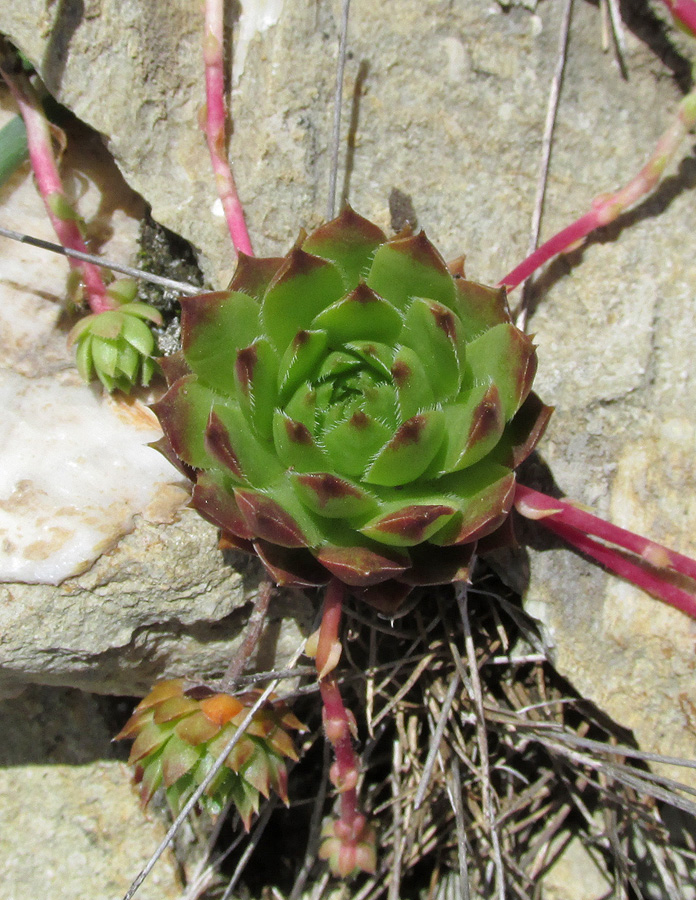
(70, 824)
(445, 101)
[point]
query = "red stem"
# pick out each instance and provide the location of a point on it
(608, 207)
(338, 722)
(215, 125)
(685, 12)
(50, 186)
(575, 526)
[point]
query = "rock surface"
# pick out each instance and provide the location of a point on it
(76, 475)
(446, 103)
(70, 822)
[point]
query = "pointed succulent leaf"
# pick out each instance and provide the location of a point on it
(148, 368)
(362, 566)
(433, 332)
(213, 499)
(431, 565)
(142, 311)
(108, 325)
(213, 327)
(149, 739)
(174, 367)
(507, 356)
(220, 708)
(83, 358)
(246, 799)
(377, 356)
(128, 360)
(523, 432)
(302, 406)
(239, 755)
(269, 520)
(408, 525)
(409, 453)
(162, 691)
(300, 361)
(196, 729)
(180, 792)
(302, 287)
(480, 307)
(256, 772)
(150, 780)
(350, 242)
(178, 758)
(485, 493)
(256, 377)
(184, 412)
(360, 315)
(295, 445)
(281, 742)
(380, 403)
(474, 427)
(137, 333)
(230, 442)
(353, 442)
(409, 267)
(278, 776)
(413, 390)
(174, 708)
(105, 356)
(253, 274)
(336, 498)
(291, 567)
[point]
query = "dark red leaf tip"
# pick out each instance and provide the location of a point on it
(268, 520)
(328, 487)
(245, 365)
(410, 432)
(218, 444)
(297, 432)
(360, 420)
(412, 521)
(419, 248)
(299, 262)
(363, 294)
(401, 372)
(444, 319)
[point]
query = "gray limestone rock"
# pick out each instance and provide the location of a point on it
(164, 602)
(446, 103)
(70, 823)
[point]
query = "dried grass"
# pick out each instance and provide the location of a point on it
(481, 765)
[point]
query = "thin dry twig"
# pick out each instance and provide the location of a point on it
(338, 102)
(463, 604)
(551, 113)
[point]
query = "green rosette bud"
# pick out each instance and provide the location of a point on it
(178, 735)
(353, 410)
(117, 345)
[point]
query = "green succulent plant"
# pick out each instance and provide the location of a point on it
(179, 734)
(117, 345)
(353, 410)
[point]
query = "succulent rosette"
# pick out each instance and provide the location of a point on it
(117, 345)
(355, 410)
(178, 735)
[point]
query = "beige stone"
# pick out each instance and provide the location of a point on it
(70, 822)
(448, 104)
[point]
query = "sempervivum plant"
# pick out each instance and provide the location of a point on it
(179, 734)
(116, 344)
(354, 410)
